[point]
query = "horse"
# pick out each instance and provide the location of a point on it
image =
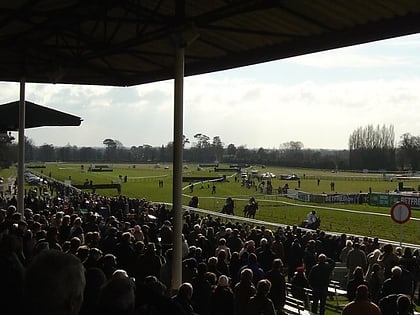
(229, 206)
(250, 210)
(313, 226)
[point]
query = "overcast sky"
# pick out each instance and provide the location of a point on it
(318, 99)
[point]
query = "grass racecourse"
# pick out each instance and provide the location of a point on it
(143, 182)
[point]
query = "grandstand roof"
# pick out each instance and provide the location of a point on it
(130, 42)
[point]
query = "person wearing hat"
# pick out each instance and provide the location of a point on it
(243, 292)
(260, 303)
(278, 284)
(222, 300)
(319, 279)
(299, 282)
(361, 304)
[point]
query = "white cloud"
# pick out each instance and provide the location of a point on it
(316, 99)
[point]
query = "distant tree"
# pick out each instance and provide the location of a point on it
(111, 149)
(203, 141)
(29, 149)
(201, 148)
(46, 152)
(148, 153)
(88, 154)
(231, 149)
(409, 152)
(5, 140)
(291, 153)
(292, 145)
(217, 148)
(372, 148)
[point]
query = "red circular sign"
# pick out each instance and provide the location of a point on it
(400, 212)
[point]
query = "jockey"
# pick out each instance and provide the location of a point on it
(252, 200)
(311, 219)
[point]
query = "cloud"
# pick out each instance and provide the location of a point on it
(318, 99)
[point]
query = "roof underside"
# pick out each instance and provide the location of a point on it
(129, 42)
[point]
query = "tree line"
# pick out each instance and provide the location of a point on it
(372, 148)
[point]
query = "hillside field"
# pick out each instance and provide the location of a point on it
(143, 182)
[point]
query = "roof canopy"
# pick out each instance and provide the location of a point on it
(35, 116)
(131, 42)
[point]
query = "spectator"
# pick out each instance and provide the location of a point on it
(388, 259)
(396, 304)
(372, 258)
(54, 284)
(117, 296)
(357, 280)
(375, 282)
(361, 304)
(11, 273)
(243, 292)
(234, 267)
(148, 264)
(125, 252)
(265, 255)
(201, 290)
(222, 298)
(77, 230)
(345, 251)
(356, 257)
(260, 303)
(319, 279)
(278, 284)
(95, 278)
(404, 305)
(294, 257)
(183, 299)
(257, 271)
(221, 265)
(299, 282)
(222, 246)
(396, 284)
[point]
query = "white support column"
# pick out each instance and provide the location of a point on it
(21, 149)
(177, 164)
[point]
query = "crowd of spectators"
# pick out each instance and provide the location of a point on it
(81, 253)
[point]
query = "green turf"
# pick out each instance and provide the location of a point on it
(143, 183)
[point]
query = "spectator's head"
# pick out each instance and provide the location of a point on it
(277, 263)
(223, 281)
(55, 284)
(185, 291)
(201, 268)
(120, 273)
(126, 238)
(396, 272)
(246, 275)
(117, 296)
(153, 283)
(322, 258)
(75, 243)
(358, 273)
(263, 287)
(408, 252)
(376, 268)
(212, 261)
(404, 305)
(263, 242)
(388, 248)
(362, 292)
(252, 259)
(221, 256)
